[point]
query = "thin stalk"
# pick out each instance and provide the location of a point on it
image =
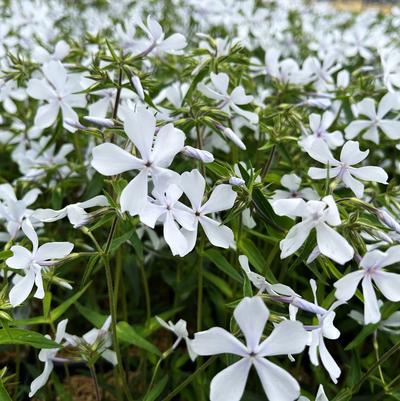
(200, 284)
(95, 382)
(268, 164)
(187, 381)
(156, 369)
(146, 289)
(111, 301)
(376, 348)
(118, 95)
(382, 359)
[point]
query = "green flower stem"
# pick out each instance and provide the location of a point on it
(163, 356)
(112, 301)
(187, 381)
(200, 284)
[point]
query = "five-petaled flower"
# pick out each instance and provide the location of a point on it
(288, 337)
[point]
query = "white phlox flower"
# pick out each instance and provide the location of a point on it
(32, 263)
(372, 271)
(343, 170)
(156, 152)
(288, 337)
(318, 215)
(75, 212)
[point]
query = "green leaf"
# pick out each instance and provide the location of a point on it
(265, 211)
(117, 242)
(4, 396)
(361, 336)
(94, 317)
(12, 336)
(61, 309)
(128, 334)
(5, 254)
(219, 260)
(219, 283)
(256, 259)
(157, 389)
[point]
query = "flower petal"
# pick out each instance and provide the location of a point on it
(46, 114)
(21, 258)
(370, 173)
(193, 185)
(173, 237)
(278, 384)
(217, 341)
(347, 285)
(229, 384)
(169, 141)
(217, 233)
(333, 245)
(42, 379)
(351, 153)
(329, 363)
(371, 306)
(389, 284)
(53, 250)
(295, 238)
(287, 337)
(134, 196)
(110, 159)
(251, 315)
(140, 128)
(222, 198)
(22, 289)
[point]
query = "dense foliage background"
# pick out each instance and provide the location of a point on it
(102, 61)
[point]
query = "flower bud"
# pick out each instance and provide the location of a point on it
(102, 122)
(74, 124)
(232, 136)
(138, 86)
(199, 154)
(236, 181)
(388, 219)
